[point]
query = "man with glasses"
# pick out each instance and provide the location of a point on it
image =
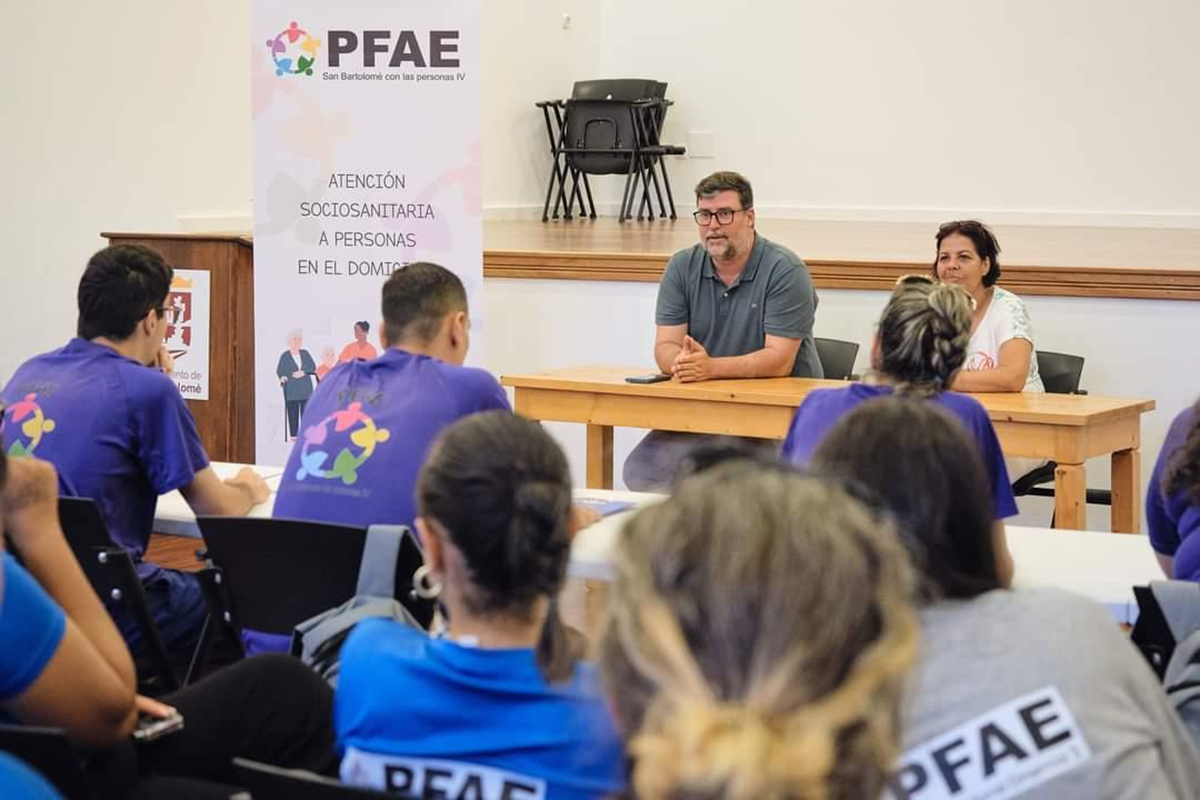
(736, 305)
(116, 429)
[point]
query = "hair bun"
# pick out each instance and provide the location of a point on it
(701, 746)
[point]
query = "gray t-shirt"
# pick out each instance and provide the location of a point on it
(773, 295)
(1036, 693)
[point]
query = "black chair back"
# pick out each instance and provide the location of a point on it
(48, 752)
(265, 781)
(627, 89)
(279, 572)
(111, 571)
(1061, 372)
(837, 357)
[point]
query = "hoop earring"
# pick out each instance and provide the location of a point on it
(424, 586)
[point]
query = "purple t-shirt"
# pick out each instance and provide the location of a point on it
(365, 434)
(1172, 520)
(115, 430)
(822, 409)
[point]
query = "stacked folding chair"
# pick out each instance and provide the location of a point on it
(609, 127)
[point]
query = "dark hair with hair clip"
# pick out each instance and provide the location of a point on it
(500, 487)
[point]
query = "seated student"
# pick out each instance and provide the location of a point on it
(1173, 498)
(369, 424)
(920, 346)
(734, 663)
(1031, 693)
(63, 665)
(117, 430)
(498, 707)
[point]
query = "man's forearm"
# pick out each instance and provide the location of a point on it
(764, 363)
(665, 354)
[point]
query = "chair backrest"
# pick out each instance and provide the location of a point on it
(628, 89)
(280, 572)
(837, 357)
(49, 753)
(112, 573)
(1061, 372)
(606, 130)
(266, 781)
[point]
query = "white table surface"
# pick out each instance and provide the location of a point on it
(1102, 566)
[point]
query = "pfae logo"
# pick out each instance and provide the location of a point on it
(293, 51)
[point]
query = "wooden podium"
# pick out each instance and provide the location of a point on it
(226, 420)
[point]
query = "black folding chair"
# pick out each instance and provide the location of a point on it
(47, 752)
(837, 357)
(608, 127)
(266, 782)
(1061, 374)
(268, 575)
(113, 575)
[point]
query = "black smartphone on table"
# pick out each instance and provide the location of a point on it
(655, 377)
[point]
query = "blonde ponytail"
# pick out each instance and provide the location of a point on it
(731, 654)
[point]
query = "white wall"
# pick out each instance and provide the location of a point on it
(883, 107)
(1133, 348)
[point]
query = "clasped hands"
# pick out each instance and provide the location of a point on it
(693, 363)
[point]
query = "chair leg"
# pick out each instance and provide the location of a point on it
(587, 187)
(662, 163)
(627, 196)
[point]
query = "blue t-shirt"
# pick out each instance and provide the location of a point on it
(366, 432)
(31, 627)
(19, 782)
(1172, 520)
(115, 430)
(822, 409)
(419, 716)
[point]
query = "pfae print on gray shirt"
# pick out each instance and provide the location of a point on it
(773, 295)
(1036, 694)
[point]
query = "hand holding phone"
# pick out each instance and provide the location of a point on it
(652, 378)
(150, 727)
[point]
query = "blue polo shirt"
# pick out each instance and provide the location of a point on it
(433, 718)
(22, 783)
(774, 295)
(1174, 520)
(822, 409)
(116, 431)
(31, 628)
(366, 432)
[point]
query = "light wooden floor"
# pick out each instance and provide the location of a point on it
(1021, 245)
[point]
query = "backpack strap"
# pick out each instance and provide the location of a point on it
(377, 570)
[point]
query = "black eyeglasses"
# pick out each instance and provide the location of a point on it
(723, 215)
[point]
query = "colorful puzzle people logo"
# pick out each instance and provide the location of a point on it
(293, 51)
(353, 431)
(32, 424)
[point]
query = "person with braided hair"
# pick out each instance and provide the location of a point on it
(1019, 693)
(735, 665)
(919, 348)
(499, 706)
(1173, 498)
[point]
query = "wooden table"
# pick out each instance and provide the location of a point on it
(1068, 429)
